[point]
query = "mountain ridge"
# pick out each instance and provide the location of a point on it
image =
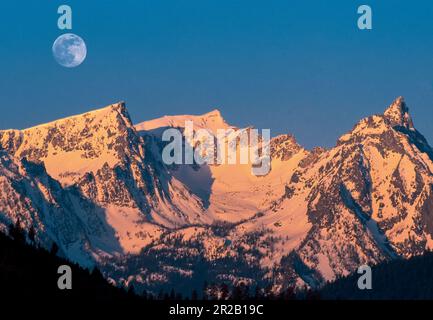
(317, 215)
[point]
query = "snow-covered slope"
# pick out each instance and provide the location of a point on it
(32, 197)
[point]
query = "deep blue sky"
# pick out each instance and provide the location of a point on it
(293, 66)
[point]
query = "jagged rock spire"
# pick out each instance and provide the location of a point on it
(398, 114)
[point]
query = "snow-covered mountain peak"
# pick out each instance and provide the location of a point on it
(110, 111)
(398, 114)
(212, 121)
(214, 113)
(396, 118)
(284, 146)
(81, 143)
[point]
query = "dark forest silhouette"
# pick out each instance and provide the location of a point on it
(27, 270)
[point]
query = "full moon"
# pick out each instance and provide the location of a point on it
(69, 50)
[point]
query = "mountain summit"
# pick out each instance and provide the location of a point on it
(212, 121)
(398, 114)
(81, 143)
